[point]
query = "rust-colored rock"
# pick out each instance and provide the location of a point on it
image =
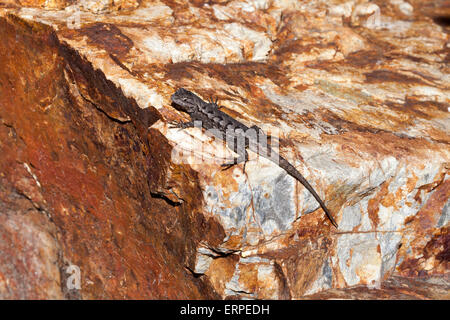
(355, 92)
(395, 288)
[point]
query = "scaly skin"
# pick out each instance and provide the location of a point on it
(228, 129)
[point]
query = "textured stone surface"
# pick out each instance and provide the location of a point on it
(355, 92)
(77, 171)
(395, 288)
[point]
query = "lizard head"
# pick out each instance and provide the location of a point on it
(186, 101)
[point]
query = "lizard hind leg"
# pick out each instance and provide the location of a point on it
(243, 157)
(181, 125)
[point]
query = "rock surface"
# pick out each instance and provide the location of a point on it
(77, 171)
(356, 94)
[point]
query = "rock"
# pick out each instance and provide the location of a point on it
(77, 172)
(354, 93)
(394, 288)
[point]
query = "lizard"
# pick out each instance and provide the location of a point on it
(231, 130)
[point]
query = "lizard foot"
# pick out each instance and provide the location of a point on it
(213, 101)
(179, 124)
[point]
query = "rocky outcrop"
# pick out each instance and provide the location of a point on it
(354, 93)
(78, 169)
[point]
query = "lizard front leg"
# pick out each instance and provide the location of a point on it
(181, 125)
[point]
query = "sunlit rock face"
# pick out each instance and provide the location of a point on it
(355, 94)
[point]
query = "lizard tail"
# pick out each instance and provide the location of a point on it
(283, 163)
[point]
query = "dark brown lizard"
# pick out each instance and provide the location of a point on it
(238, 136)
